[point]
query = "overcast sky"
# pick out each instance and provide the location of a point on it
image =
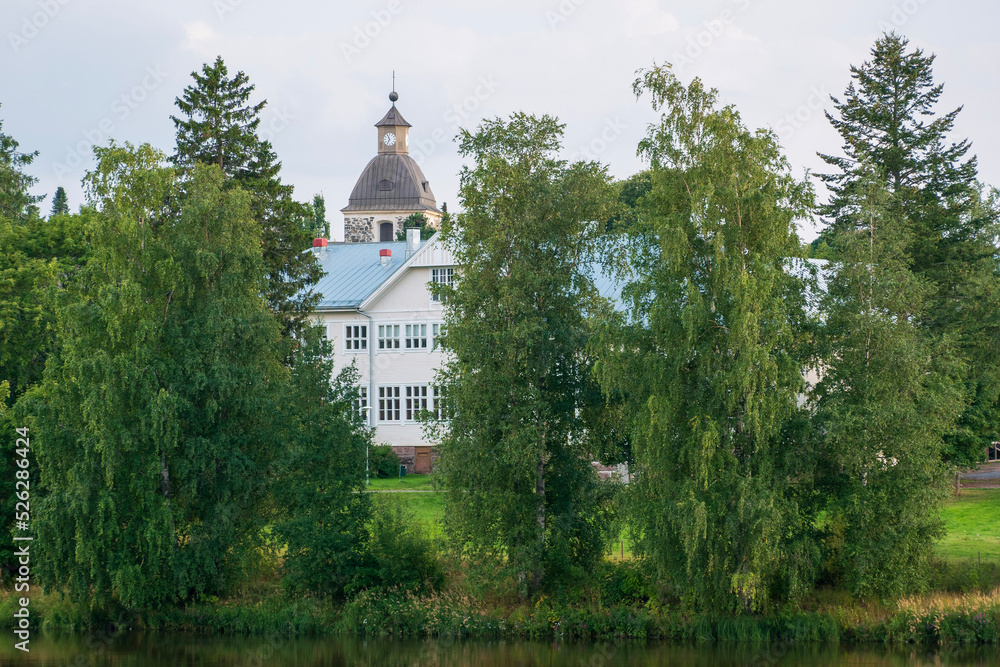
(77, 72)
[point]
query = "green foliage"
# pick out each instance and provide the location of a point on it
(888, 394)
(60, 203)
(630, 191)
(397, 553)
(316, 225)
(15, 201)
(155, 425)
(709, 357)
(522, 495)
(383, 461)
(888, 119)
(420, 221)
(318, 485)
(38, 258)
(219, 126)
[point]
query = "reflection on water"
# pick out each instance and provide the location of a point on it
(156, 650)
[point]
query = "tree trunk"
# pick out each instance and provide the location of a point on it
(958, 483)
(540, 516)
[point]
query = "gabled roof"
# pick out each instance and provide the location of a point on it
(354, 271)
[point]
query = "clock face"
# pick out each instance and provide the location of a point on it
(389, 139)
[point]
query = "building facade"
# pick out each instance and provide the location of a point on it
(378, 312)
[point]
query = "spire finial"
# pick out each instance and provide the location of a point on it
(393, 96)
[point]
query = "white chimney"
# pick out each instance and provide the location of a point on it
(412, 240)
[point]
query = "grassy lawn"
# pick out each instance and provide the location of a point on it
(408, 483)
(973, 525)
(428, 507)
(972, 521)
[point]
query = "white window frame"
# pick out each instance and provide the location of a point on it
(363, 401)
(444, 275)
(355, 338)
(415, 401)
(389, 403)
(437, 330)
(388, 337)
(437, 402)
(415, 336)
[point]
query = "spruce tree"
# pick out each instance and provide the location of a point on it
(219, 126)
(522, 497)
(60, 203)
(16, 203)
(888, 117)
(708, 357)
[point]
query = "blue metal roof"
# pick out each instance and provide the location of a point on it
(354, 271)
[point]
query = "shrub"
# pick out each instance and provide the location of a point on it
(382, 461)
(397, 553)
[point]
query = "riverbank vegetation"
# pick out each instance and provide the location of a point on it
(790, 428)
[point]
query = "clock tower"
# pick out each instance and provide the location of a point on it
(393, 130)
(391, 188)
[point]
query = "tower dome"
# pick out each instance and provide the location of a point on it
(391, 188)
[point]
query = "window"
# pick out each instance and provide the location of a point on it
(355, 337)
(416, 401)
(416, 336)
(388, 336)
(437, 403)
(388, 404)
(324, 334)
(362, 401)
(385, 232)
(437, 330)
(444, 277)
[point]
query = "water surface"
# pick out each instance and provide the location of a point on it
(160, 650)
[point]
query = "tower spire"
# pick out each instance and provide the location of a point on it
(393, 96)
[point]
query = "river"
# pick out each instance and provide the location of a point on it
(156, 650)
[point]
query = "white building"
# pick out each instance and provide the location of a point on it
(379, 314)
(375, 303)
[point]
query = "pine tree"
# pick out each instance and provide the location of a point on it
(219, 126)
(888, 118)
(60, 203)
(16, 203)
(888, 395)
(522, 495)
(708, 357)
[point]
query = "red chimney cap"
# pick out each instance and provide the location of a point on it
(319, 243)
(385, 252)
